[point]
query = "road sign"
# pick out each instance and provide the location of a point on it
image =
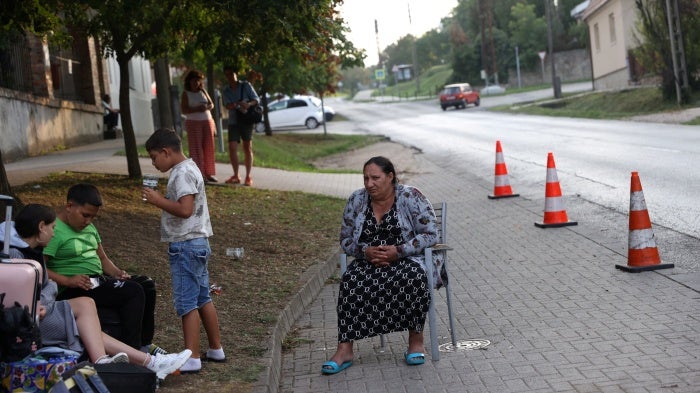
(379, 74)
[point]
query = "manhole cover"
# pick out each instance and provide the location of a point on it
(464, 345)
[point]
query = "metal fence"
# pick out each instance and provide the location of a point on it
(65, 73)
(15, 67)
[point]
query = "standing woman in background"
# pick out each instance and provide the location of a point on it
(196, 104)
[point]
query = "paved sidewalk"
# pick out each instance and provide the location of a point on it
(558, 315)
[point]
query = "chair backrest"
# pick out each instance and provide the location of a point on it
(441, 214)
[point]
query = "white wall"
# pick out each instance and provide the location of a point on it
(140, 92)
(32, 125)
(610, 45)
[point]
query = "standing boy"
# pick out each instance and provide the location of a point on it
(186, 226)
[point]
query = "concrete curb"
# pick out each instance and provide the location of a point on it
(269, 380)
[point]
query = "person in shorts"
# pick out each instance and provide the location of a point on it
(238, 96)
(186, 226)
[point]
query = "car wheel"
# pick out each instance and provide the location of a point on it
(478, 101)
(311, 123)
(444, 108)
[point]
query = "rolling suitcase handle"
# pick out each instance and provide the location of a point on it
(8, 219)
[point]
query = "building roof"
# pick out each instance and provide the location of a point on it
(593, 6)
(578, 10)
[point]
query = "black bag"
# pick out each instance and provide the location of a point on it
(83, 378)
(127, 378)
(20, 334)
(253, 115)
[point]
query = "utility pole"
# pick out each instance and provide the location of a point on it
(555, 81)
(494, 67)
(488, 57)
(680, 73)
(484, 62)
(415, 61)
(379, 52)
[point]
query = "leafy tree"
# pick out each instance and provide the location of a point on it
(26, 17)
(654, 52)
(125, 29)
(528, 32)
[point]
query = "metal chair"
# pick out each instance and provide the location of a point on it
(441, 246)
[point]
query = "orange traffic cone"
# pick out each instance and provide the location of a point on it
(642, 254)
(554, 212)
(501, 187)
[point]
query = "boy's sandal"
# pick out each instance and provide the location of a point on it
(248, 181)
(331, 367)
(233, 180)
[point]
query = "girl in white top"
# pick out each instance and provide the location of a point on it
(196, 104)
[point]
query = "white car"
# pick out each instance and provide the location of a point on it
(291, 112)
(328, 112)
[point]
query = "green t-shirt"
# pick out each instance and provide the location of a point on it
(71, 253)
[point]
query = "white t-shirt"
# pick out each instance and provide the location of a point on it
(195, 99)
(186, 179)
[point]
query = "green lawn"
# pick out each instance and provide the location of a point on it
(290, 151)
(602, 105)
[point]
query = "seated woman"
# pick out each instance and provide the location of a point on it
(386, 226)
(72, 324)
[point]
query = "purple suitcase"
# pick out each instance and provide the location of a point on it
(20, 279)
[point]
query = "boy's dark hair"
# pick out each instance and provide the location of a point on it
(164, 138)
(84, 194)
(27, 220)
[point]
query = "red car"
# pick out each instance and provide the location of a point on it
(458, 95)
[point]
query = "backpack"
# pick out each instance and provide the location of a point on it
(19, 334)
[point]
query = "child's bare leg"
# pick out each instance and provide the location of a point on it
(162, 365)
(114, 346)
(190, 329)
(89, 327)
(210, 320)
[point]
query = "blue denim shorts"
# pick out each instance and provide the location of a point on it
(189, 274)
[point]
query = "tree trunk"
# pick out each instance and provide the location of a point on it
(162, 75)
(132, 155)
(6, 189)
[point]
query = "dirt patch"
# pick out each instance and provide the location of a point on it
(405, 158)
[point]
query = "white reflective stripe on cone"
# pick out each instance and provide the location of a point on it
(637, 202)
(552, 175)
(554, 204)
(642, 238)
(501, 180)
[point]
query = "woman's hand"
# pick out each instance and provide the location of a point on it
(381, 256)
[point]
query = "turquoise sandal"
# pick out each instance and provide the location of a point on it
(331, 367)
(414, 359)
